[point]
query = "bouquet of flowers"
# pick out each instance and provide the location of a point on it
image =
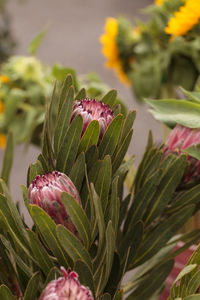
(158, 56)
(88, 231)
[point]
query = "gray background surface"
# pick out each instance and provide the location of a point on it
(73, 40)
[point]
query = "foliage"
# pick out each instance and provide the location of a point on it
(156, 63)
(186, 285)
(119, 231)
(25, 86)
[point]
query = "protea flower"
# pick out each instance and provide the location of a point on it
(67, 287)
(45, 191)
(180, 139)
(91, 109)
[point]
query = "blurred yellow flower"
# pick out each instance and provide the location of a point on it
(4, 79)
(110, 50)
(158, 2)
(1, 107)
(184, 19)
(3, 140)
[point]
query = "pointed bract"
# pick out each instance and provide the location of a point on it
(91, 109)
(45, 191)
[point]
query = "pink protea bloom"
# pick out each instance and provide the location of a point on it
(45, 191)
(91, 109)
(67, 287)
(180, 139)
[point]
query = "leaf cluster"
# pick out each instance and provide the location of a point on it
(119, 231)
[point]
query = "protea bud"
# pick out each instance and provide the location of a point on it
(91, 109)
(180, 139)
(45, 191)
(67, 287)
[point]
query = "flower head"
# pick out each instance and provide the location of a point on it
(180, 139)
(67, 287)
(91, 109)
(45, 191)
(184, 19)
(159, 2)
(110, 49)
(4, 79)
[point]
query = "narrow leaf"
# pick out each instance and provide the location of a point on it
(78, 217)
(73, 246)
(47, 227)
(32, 287)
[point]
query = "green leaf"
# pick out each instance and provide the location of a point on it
(78, 217)
(157, 238)
(32, 287)
(53, 274)
(67, 83)
(131, 240)
(102, 184)
(167, 186)
(193, 151)
(47, 227)
(43, 163)
(14, 211)
(113, 213)
(110, 98)
(99, 217)
(194, 283)
(90, 137)
(33, 47)
(110, 248)
(63, 119)
(128, 123)
(19, 261)
(5, 293)
(192, 297)
(190, 196)
(60, 73)
(33, 171)
(172, 111)
(73, 246)
(39, 252)
(77, 172)
(8, 159)
(121, 151)
(187, 269)
(151, 282)
(111, 136)
(69, 147)
(81, 94)
(141, 200)
(84, 274)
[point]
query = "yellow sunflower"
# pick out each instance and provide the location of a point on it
(3, 140)
(110, 50)
(4, 79)
(158, 2)
(184, 19)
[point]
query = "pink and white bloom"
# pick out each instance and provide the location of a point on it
(181, 138)
(67, 287)
(45, 191)
(91, 109)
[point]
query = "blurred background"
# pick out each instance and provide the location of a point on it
(72, 39)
